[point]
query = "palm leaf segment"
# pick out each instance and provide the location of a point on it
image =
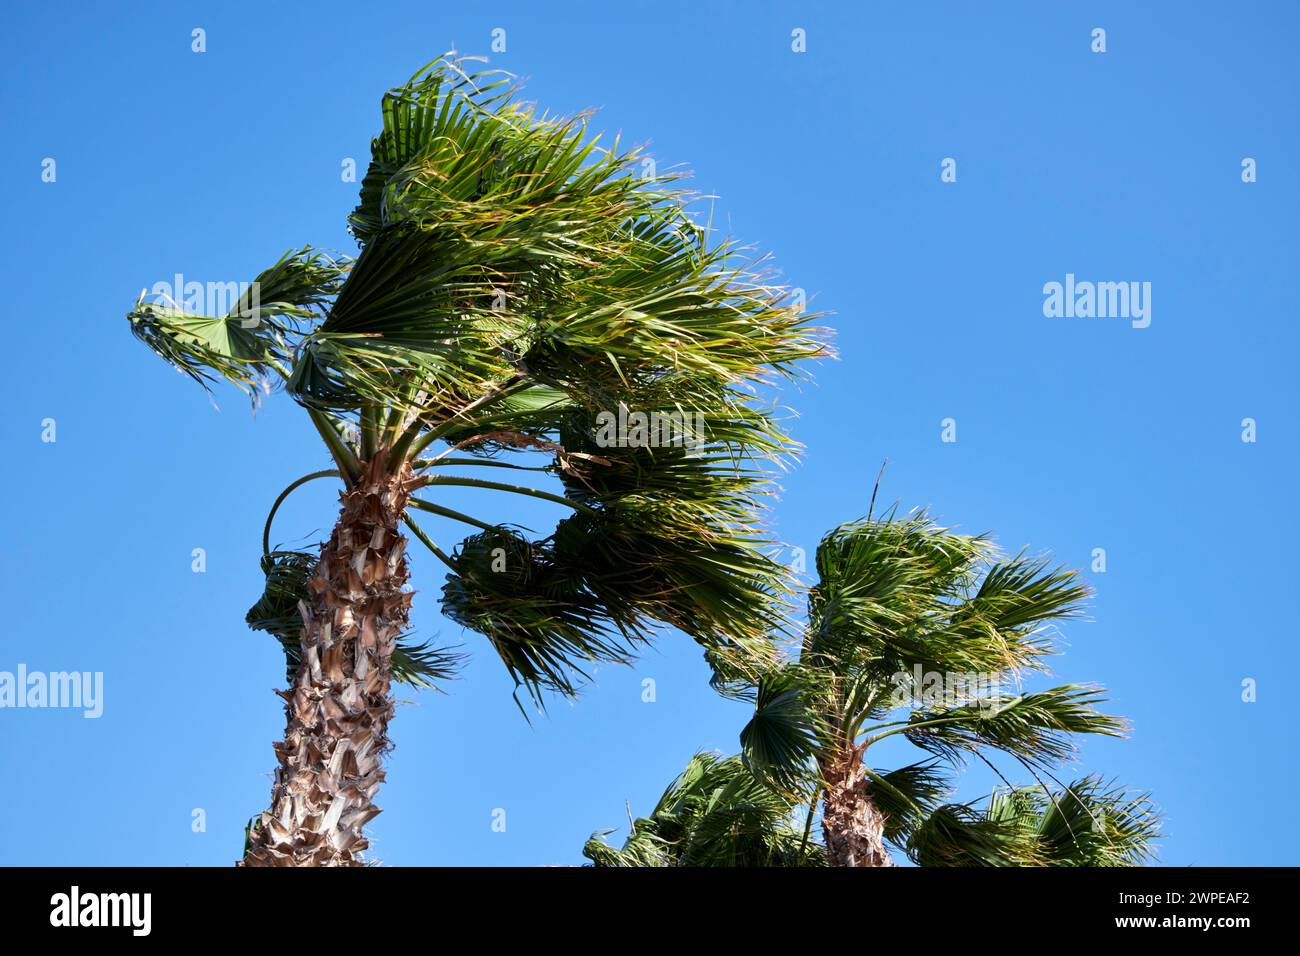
(515, 281)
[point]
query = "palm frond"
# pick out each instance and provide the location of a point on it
(249, 344)
(435, 108)
(1037, 727)
(780, 741)
(957, 834)
(540, 618)
(907, 797)
(716, 813)
(880, 581)
(1089, 822)
(1086, 823)
(1006, 615)
(718, 585)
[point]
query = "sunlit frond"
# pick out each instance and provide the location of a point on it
(252, 342)
(1037, 726)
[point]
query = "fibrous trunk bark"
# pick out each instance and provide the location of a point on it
(339, 706)
(854, 829)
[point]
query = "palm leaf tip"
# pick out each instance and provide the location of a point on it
(203, 348)
(252, 342)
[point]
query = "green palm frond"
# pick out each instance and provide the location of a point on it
(439, 106)
(715, 584)
(957, 834)
(401, 321)
(424, 665)
(1086, 823)
(1089, 822)
(880, 584)
(1037, 727)
(276, 611)
(907, 797)
(251, 343)
(716, 813)
(1004, 618)
(780, 741)
(535, 610)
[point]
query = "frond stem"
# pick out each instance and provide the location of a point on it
(427, 541)
(512, 489)
(433, 509)
(266, 529)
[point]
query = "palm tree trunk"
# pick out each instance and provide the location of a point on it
(853, 828)
(339, 706)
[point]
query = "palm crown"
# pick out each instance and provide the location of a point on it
(916, 631)
(516, 286)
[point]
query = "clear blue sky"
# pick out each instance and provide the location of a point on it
(1073, 434)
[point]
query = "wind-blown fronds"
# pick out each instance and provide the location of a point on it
(1037, 727)
(715, 814)
(896, 593)
(497, 241)
(253, 342)
(1090, 822)
(956, 834)
(1086, 823)
(537, 613)
(519, 282)
(907, 797)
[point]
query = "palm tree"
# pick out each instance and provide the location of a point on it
(916, 631)
(719, 813)
(518, 288)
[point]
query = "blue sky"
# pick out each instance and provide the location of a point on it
(1072, 433)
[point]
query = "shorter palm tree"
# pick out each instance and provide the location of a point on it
(718, 813)
(918, 632)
